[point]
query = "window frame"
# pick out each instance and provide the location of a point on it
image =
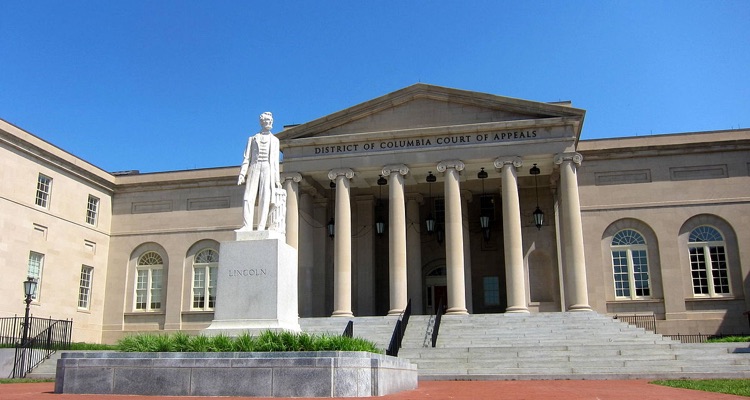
(209, 268)
(706, 248)
(636, 249)
(149, 262)
(36, 274)
(85, 286)
(43, 191)
(92, 213)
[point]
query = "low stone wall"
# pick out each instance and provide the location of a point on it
(273, 374)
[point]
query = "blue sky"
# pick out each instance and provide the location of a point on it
(171, 85)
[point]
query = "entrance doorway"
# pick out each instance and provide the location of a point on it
(436, 289)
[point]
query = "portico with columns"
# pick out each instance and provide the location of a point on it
(331, 169)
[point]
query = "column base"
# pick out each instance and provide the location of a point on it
(456, 311)
(395, 312)
(341, 313)
(580, 307)
(517, 309)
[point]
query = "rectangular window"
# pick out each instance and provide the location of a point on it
(36, 264)
(43, 189)
(92, 210)
(640, 273)
(148, 289)
(84, 288)
(620, 266)
(204, 296)
(491, 291)
(439, 211)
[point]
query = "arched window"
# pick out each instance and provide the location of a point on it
(148, 282)
(708, 262)
(205, 267)
(630, 265)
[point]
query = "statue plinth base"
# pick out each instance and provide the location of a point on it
(256, 286)
(257, 235)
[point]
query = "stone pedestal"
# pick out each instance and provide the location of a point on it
(256, 287)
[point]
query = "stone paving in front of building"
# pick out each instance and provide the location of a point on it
(432, 390)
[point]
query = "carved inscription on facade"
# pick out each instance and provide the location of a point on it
(248, 272)
(426, 142)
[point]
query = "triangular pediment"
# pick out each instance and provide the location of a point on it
(426, 106)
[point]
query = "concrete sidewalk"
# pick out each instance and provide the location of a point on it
(500, 390)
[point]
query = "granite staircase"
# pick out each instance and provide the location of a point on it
(582, 345)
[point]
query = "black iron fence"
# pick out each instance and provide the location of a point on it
(398, 331)
(45, 336)
(645, 321)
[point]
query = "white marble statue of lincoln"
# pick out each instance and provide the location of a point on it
(260, 168)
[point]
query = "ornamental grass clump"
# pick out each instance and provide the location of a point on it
(265, 341)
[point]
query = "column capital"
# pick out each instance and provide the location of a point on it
(577, 158)
(458, 165)
(293, 176)
(512, 160)
(467, 195)
(336, 172)
(400, 168)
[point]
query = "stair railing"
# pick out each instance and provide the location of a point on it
(398, 332)
(438, 318)
(51, 335)
(645, 321)
(349, 330)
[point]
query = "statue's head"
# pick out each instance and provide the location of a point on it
(266, 121)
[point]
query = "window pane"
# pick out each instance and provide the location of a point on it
(141, 289)
(640, 273)
(156, 286)
(491, 291)
(92, 210)
(719, 270)
(43, 186)
(620, 270)
(698, 270)
(199, 281)
(84, 290)
(34, 270)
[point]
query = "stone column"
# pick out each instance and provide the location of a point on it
(396, 237)
(454, 243)
(414, 252)
(466, 198)
(515, 281)
(342, 248)
(573, 230)
(291, 185)
(306, 256)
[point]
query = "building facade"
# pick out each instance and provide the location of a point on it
(656, 225)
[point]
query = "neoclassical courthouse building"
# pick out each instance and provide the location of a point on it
(427, 193)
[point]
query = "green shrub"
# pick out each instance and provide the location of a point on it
(729, 339)
(265, 341)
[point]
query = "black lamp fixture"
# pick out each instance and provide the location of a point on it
(379, 224)
(29, 288)
(484, 219)
(430, 221)
(331, 223)
(538, 214)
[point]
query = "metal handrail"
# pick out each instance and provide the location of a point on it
(438, 318)
(349, 330)
(399, 330)
(46, 340)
